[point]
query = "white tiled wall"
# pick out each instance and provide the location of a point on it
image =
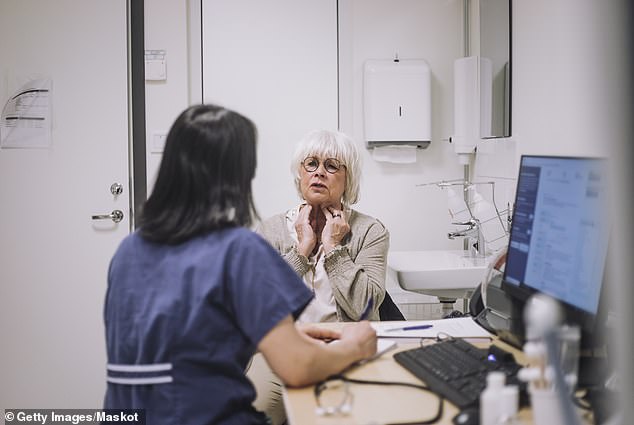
(421, 311)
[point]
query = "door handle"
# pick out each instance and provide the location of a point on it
(115, 215)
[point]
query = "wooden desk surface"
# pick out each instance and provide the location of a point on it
(373, 404)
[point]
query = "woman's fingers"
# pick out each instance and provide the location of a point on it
(306, 237)
(332, 213)
(336, 228)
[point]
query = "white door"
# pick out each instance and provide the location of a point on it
(276, 62)
(54, 257)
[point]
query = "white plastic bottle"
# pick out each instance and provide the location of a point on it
(490, 398)
(457, 207)
(509, 403)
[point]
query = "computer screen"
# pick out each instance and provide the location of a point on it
(559, 234)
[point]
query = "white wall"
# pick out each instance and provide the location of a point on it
(567, 76)
(432, 30)
(165, 29)
(565, 94)
(368, 29)
(416, 216)
(275, 62)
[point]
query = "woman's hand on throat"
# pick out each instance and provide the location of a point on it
(317, 225)
(336, 228)
(307, 238)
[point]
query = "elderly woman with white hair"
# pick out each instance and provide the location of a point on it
(339, 252)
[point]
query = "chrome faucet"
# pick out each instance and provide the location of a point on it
(473, 232)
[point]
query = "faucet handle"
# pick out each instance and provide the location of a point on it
(472, 223)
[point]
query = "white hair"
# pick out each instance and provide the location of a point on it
(330, 144)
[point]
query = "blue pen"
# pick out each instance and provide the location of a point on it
(410, 328)
(367, 310)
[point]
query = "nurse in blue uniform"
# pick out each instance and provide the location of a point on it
(192, 294)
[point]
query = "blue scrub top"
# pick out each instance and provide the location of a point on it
(182, 322)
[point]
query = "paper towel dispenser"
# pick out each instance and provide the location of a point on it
(397, 102)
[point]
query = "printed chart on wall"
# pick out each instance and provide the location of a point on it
(26, 116)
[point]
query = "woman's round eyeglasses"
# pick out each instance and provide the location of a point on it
(331, 165)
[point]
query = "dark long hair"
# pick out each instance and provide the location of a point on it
(204, 180)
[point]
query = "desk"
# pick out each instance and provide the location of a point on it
(380, 404)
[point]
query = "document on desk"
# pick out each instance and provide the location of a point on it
(459, 327)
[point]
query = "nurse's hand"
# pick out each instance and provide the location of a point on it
(300, 360)
(318, 333)
(362, 335)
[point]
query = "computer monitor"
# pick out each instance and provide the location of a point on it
(559, 237)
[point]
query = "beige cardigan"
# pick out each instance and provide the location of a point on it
(356, 270)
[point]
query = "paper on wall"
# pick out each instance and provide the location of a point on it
(395, 154)
(26, 117)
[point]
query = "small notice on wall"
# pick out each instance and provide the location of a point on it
(26, 117)
(155, 65)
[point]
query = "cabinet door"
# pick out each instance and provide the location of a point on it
(275, 62)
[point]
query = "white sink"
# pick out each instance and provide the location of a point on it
(447, 274)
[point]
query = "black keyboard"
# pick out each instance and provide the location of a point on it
(457, 370)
